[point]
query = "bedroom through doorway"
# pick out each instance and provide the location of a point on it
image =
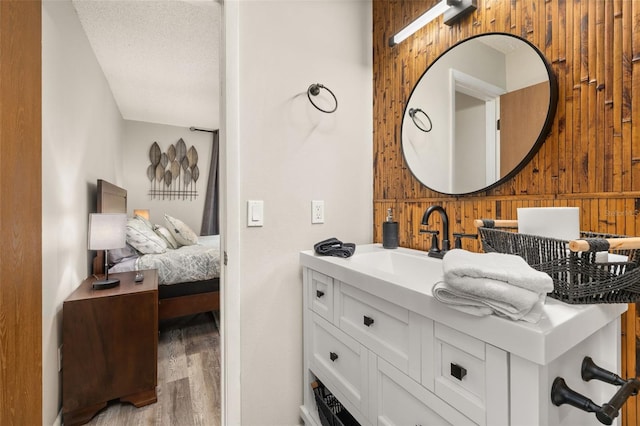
(162, 62)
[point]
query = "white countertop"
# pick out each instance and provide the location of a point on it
(406, 277)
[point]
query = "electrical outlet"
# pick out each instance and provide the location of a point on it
(317, 211)
(60, 358)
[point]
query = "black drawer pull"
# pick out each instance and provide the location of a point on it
(333, 356)
(319, 293)
(368, 321)
(458, 371)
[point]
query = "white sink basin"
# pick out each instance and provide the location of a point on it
(373, 265)
(399, 263)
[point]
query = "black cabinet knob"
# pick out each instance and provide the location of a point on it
(333, 356)
(458, 371)
(319, 293)
(368, 321)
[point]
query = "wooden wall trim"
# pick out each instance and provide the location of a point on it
(20, 213)
(629, 195)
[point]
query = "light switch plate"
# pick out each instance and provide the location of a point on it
(255, 213)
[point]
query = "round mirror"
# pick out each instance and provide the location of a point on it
(478, 114)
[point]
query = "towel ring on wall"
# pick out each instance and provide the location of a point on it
(412, 114)
(314, 90)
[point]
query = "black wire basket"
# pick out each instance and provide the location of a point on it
(330, 410)
(579, 277)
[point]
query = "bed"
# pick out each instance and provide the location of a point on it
(181, 290)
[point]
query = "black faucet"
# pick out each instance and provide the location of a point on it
(435, 251)
(458, 236)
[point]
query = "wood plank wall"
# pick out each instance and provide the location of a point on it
(591, 158)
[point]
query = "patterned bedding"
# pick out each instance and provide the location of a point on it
(187, 263)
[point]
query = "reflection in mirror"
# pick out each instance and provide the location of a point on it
(419, 117)
(491, 101)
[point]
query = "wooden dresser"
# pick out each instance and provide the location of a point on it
(110, 346)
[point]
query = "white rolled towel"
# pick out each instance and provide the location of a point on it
(458, 264)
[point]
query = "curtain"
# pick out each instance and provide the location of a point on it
(210, 220)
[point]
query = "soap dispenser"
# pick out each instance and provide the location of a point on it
(390, 232)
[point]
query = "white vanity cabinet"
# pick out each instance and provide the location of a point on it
(392, 355)
(395, 367)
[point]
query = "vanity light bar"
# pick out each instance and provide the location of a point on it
(452, 10)
(420, 22)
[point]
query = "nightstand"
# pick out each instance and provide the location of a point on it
(110, 346)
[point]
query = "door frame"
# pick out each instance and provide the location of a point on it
(21, 212)
(230, 288)
(490, 95)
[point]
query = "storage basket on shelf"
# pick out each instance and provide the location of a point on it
(330, 410)
(581, 270)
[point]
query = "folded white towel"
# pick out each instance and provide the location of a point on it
(482, 297)
(508, 268)
(460, 302)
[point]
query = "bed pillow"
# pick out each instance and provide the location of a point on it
(118, 255)
(145, 221)
(143, 239)
(180, 231)
(166, 235)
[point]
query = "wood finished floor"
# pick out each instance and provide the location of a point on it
(188, 378)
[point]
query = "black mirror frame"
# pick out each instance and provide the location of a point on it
(544, 133)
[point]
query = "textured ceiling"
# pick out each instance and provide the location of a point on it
(160, 57)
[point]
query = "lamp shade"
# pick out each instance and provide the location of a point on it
(107, 231)
(142, 213)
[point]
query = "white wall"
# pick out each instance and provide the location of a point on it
(81, 142)
(290, 154)
(524, 68)
(138, 138)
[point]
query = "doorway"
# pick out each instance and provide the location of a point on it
(161, 60)
(475, 139)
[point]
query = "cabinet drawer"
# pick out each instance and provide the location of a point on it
(387, 329)
(341, 361)
(401, 401)
(321, 295)
(460, 371)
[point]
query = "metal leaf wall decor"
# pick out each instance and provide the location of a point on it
(173, 174)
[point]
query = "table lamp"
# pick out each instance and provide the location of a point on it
(107, 231)
(142, 213)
